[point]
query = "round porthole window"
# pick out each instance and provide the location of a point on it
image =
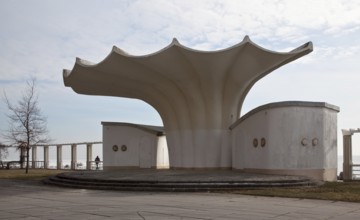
(263, 142)
(255, 142)
(115, 148)
(315, 142)
(123, 147)
(304, 142)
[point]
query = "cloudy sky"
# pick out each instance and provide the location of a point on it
(41, 38)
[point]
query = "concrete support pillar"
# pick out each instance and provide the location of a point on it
(73, 156)
(347, 165)
(46, 157)
(34, 156)
(59, 157)
(88, 156)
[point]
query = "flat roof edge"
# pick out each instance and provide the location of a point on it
(157, 130)
(285, 104)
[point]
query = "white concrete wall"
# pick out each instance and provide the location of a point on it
(141, 147)
(286, 128)
(162, 158)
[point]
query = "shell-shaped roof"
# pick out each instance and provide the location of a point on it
(198, 94)
(189, 88)
(302, 50)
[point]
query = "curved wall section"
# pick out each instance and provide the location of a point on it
(294, 138)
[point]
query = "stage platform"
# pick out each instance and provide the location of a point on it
(174, 180)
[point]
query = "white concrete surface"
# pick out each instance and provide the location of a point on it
(292, 138)
(162, 157)
(137, 146)
(300, 139)
(197, 94)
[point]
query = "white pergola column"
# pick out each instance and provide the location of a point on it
(59, 157)
(347, 164)
(73, 156)
(88, 156)
(34, 156)
(46, 157)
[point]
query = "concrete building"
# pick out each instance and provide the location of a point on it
(134, 146)
(199, 96)
(293, 138)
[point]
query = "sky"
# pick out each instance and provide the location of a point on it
(41, 38)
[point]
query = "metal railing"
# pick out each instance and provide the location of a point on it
(37, 164)
(9, 164)
(94, 167)
(82, 166)
(355, 169)
(40, 165)
(17, 164)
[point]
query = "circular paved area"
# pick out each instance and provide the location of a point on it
(181, 176)
(33, 200)
(173, 180)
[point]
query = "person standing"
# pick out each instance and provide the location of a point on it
(97, 160)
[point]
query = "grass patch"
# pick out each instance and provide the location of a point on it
(34, 174)
(337, 191)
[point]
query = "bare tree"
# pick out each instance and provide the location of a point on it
(27, 126)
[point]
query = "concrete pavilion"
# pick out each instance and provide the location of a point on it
(199, 96)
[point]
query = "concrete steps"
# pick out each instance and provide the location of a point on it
(73, 181)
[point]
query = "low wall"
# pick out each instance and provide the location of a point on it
(293, 138)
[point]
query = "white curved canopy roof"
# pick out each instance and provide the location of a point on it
(193, 91)
(176, 72)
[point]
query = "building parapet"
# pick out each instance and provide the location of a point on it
(285, 104)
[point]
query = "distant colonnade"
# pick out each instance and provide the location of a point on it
(59, 161)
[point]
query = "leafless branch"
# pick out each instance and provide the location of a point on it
(27, 125)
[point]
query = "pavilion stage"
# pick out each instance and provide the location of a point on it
(174, 180)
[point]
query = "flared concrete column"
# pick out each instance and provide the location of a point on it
(347, 164)
(59, 157)
(46, 157)
(34, 156)
(73, 156)
(88, 156)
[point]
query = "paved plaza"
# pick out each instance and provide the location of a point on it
(33, 200)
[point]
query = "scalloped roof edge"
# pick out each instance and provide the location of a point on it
(307, 46)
